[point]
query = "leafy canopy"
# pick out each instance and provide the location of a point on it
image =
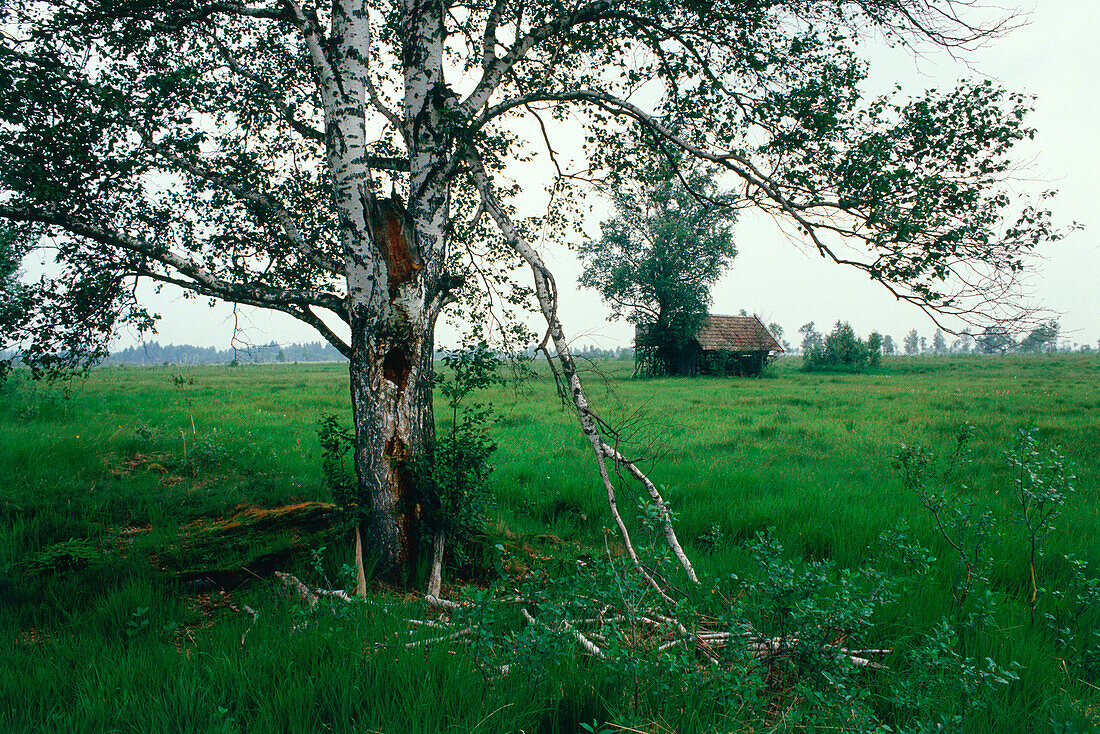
(659, 257)
(229, 147)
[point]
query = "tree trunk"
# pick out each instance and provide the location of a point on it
(394, 260)
(392, 341)
(435, 577)
(392, 408)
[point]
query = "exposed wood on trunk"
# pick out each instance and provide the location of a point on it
(360, 574)
(396, 239)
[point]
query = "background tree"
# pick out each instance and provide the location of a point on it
(912, 343)
(888, 347)
(243, 151)
(841, 348)
(874, 345)
(939, 344)
(995, 340)
(967, 340)
(1043, 338)
(810, 338)
(658, 258)
(777, 331)
(964, 343)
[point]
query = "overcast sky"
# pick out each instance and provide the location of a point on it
(1055, 56)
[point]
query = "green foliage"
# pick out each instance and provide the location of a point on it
(941, 687)
(804, 608)
(875, 346)
(658, 258)
(336, 441)
(15, 299)
(1074, 614)
(841, 349)
(207, 452)
(1042, 481)
(451, 476)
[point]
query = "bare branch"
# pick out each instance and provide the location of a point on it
(547, 297)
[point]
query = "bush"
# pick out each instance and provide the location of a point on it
(842, 349)
(452, 474)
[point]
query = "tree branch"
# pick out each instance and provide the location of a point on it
(286, 110)
(195, 277)
(255, 196)
(498, 66)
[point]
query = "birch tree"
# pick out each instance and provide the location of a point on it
(345, 163)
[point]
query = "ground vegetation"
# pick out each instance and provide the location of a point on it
(346, 163)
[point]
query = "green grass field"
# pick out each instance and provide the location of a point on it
(113, 511)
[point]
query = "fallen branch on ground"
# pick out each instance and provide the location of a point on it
(662, 632)
(247, 610)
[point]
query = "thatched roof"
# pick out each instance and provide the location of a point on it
(731, 333)
(736, 334)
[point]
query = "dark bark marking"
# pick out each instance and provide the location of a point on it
(405, 505)
(395, 448)
(396, 368)
(408, 518)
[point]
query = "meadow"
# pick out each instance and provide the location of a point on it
(144, 510)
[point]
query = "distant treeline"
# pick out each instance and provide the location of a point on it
(593, 352)
(1045, 338)
(153, 353)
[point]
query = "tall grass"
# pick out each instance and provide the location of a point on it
(101, 481)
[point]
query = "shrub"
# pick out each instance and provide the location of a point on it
(452, 475)
(842, 349)
(336, 441)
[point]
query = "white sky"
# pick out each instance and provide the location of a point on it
(1055, 56)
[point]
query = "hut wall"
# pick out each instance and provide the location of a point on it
(726, 363)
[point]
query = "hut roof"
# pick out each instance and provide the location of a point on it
(736, 334)
(731, 333)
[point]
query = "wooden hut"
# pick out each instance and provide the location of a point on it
(723, 345)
